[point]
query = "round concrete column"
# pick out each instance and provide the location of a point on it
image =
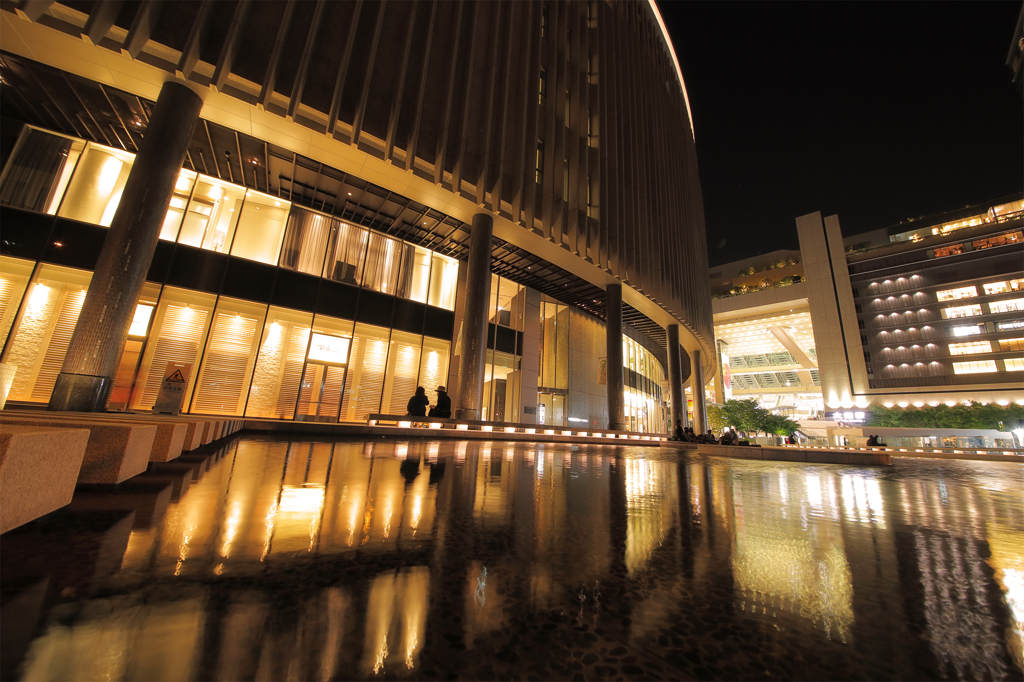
(613, 348)
(675, 377)
(700, 415)
(87, 374)
(469, 400)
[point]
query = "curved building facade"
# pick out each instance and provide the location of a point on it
(380, 130)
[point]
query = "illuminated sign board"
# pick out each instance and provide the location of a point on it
(845, 416)
(331, 349)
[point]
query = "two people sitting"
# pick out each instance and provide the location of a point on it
(419, 403)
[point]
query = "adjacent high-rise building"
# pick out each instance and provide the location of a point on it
(897, 316)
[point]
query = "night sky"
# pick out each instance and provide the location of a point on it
(877, 112)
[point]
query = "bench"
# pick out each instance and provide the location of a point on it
(38, 470)
(167, 444)
(115, 451)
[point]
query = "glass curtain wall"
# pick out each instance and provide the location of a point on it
(643, 391)
(502, 375)
(553, 377)
(83, 181)
(41, 333)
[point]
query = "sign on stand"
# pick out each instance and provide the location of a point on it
(172, 388)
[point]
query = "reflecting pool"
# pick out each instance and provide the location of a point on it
(318, 560)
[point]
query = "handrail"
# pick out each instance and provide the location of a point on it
(1014, 452)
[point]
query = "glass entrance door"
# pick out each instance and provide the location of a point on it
(320, 393)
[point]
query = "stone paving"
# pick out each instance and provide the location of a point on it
(316, 560)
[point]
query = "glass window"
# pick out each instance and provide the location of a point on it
(952, 250)
(998, 240)
(124, 377)
(177, 335)
(14, 276)
(433, 366)
(1008, 306)
(327, 363)
(382, 257)
(94, 191)
(1014, 364)
(402, 370)
(212, 214)
(368, 360)
(970, 348)
(42, 333)
(500, 387)
(279, 364)
(1010, 325)
(228, 361)
(305, 241)
(179, 201)
(39, 170)
(961, 311)
(260, 228)
(444, 276)
(996, 288)
(346, 253)
(415, 273)
(977, 367)
(1011, 344)
(966, 330)
(951, 294)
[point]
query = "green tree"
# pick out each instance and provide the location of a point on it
(745, 415)
(716, 418)
(779, 425)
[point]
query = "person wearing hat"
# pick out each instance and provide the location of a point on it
(443, 408)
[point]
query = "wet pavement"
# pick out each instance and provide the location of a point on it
(319, 560)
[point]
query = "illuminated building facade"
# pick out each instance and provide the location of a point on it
(894, 317)
(312, 257)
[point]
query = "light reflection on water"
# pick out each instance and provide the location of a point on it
(323, 560)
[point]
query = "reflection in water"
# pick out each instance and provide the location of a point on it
(796, 562)
(324, 560)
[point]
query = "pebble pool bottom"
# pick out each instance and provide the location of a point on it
(321, 559)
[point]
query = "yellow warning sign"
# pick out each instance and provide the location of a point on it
(176, 378)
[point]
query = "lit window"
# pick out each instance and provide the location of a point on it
(996, 288)
(951, 250)
(961, 311)
(1011, 344)
(1008, 306)
(1014, 364)
(967, 330)
(978, 367)
(540, 161)
(140, 323)
(952, 294)
(998, 240)
(1017, 284)
(970, 348)
(1010, 325)
(542, 89)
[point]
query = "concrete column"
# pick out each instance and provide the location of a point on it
(87, 374)
(700, 415)
(613, 347)
(675, 377)
(469, 399)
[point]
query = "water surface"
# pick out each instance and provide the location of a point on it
(319, 560)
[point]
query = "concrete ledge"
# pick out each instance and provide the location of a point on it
(38, 470)
(115, 451)
(791, 454)
(361, 430)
